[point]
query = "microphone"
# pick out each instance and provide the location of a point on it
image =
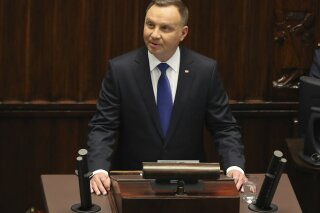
(270, 183)
(86, 205)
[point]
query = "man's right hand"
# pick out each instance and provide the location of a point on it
(100, 184)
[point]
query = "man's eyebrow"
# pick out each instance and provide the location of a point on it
(148, 19)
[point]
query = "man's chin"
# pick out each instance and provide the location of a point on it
(153, 52)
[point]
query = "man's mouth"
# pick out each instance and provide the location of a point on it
(154, 44)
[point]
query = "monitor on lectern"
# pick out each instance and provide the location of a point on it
(309, 118)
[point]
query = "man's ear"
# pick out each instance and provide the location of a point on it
(185, 30)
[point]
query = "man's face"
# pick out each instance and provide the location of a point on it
(163, 31)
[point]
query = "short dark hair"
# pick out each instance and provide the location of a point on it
(182, 8)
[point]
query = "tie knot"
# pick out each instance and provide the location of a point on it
(163, 67)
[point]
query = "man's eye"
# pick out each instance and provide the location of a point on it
(150, 25)
(166, 29)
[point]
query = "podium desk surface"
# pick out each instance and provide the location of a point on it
(62, 191)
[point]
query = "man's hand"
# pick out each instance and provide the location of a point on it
(100, 184)
(238, 177)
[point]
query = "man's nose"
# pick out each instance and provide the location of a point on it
(155, 34)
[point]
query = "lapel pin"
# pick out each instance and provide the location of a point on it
(186, 71)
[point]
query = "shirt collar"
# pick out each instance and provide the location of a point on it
(173, 62)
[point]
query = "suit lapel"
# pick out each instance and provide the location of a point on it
(186, 75)
(143, 79)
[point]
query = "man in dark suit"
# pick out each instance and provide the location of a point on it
(155, 114)
(315, 67)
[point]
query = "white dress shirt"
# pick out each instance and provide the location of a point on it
(172, 72)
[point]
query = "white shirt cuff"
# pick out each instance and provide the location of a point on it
(235, 168)
(100, 171)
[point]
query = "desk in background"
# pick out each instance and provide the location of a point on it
(62, 191)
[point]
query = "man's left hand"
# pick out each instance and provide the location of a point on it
(238, 177)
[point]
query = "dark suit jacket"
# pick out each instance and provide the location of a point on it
(127, 113)
(315, 67)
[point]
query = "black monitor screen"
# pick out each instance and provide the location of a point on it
(309, 104)
(309, 96)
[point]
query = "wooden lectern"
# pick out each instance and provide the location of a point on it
(132, 193)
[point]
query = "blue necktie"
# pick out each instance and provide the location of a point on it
(164, 98)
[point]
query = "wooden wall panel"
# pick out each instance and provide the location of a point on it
(262, 136)
(33, 146)
(12, 44)
(57, 50)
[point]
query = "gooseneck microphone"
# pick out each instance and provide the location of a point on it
(86, 205)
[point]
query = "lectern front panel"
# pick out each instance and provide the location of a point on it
(134, 194)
